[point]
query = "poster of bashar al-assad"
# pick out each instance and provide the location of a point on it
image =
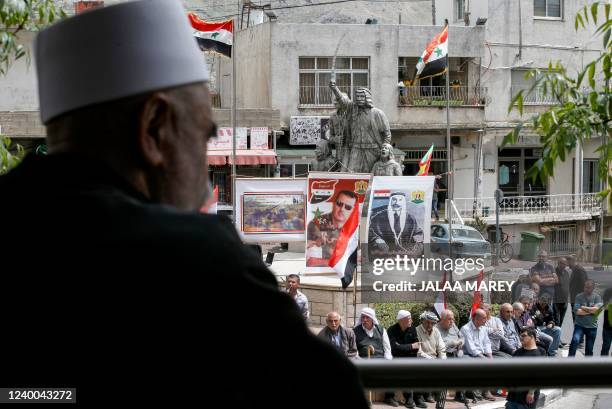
(273, 212)
(331, 198)
(399, 216)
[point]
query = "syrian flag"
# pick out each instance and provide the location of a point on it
(213, 36)
(434, 60)
(425, 162)
(477, 298)
(344, 258)
(440, 303)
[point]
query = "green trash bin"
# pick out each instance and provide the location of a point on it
(606, 251)
(530, 245)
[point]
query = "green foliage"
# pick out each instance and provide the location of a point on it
(19, 15)
(459, 303)
(583, 105)
(478, 224)
(8, 159)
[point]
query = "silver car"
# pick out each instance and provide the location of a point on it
(467, 241)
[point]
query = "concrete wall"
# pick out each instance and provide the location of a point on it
(19, 86)
(252, 48)
(542, 41)
(381, 43)
(447, 9)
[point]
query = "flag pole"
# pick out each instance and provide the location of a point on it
(233, 116)
(449, 154)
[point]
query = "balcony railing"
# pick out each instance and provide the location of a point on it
(321, 96)
(589, 203)
(436, 96)
(535, 97)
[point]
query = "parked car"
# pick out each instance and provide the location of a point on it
(467, 241)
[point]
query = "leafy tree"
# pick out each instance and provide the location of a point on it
(9, 160)
(20, 15)
(583, 105)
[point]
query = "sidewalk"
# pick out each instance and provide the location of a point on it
(546, 397)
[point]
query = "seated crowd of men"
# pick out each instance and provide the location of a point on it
(530, 326)
(484, 337)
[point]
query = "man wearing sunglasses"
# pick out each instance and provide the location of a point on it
(324, 231)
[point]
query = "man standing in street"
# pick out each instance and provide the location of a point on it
(577, 280)
(586, 306)
(543, 274)
(339, 336)
(562, 288)
(293, 285)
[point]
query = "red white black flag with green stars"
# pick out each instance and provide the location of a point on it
(433, 61)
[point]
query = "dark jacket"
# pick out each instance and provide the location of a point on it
(544, 316)
(562, 287)
(347, 337)
(577, 280)
(106, 288)
(401, 341)
(380, 228)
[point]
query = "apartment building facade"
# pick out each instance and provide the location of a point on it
(287, 66)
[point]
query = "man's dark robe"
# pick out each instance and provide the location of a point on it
(139, 303)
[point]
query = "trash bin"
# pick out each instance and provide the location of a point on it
(530, 245)
(606, 251)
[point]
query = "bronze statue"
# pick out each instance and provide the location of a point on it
(387, 166)
(366, 129)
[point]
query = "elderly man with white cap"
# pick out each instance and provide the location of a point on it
(373, 342)
(432, 344)
(405, 344)
(111, 265)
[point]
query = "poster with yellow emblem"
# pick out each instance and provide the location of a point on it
(399, 216)
(331, 198)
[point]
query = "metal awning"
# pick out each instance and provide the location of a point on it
(243, 157)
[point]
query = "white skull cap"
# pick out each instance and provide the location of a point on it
(115, 52)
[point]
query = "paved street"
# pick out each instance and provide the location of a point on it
(584, 399)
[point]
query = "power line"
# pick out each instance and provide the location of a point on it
(307, 5)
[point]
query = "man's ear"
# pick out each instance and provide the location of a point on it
(155, 118)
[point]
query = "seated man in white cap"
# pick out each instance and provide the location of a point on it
(432, 344)
(112, 266)
(405, 344)
(373, 342)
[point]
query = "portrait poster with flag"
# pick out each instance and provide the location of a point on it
(399, 216)
(331, 199)
(397, 235)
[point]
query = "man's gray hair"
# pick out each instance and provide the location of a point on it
(518, 306)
